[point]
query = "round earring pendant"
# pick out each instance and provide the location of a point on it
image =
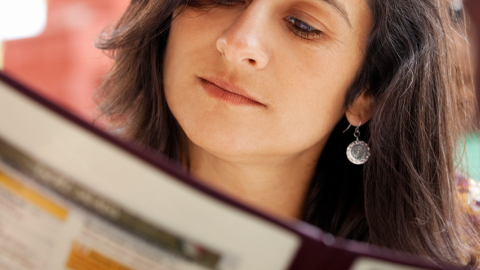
(358, 152)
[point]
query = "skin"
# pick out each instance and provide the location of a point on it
(265, 154)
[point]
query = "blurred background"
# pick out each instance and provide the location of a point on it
(49, 45)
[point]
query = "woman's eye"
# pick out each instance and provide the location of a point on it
(302, 29)
(228, 2)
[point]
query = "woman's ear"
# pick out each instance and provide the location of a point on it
(360, 111)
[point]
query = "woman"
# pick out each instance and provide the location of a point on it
(253, 97)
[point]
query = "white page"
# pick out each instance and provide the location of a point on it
(142, 189)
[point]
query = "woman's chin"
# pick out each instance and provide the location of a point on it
(241, 149)
(225, 148)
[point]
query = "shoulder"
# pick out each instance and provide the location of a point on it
(469, 197)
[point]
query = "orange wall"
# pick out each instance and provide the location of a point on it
(1, 54)
(63, 63)
(473, 7)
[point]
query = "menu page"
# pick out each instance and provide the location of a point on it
(45, 216)
(72, 200)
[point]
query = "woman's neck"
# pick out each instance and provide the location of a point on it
(277, 185)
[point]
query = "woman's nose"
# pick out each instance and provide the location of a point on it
(245, 42)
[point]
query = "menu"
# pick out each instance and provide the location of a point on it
(74, 197)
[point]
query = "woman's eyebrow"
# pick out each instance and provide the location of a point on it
(340, 8)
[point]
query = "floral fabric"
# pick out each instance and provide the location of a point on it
(469, 193)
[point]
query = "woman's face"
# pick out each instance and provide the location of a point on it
(264, 77)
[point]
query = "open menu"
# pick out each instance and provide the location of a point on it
(73, 197)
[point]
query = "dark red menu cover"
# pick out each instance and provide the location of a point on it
(74, 197)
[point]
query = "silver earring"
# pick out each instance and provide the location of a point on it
(358, 151)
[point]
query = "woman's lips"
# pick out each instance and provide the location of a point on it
(227, 93)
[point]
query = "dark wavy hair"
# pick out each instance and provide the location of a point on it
(405, 196)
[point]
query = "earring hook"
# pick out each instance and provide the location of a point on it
(347, 128)
(351, 126)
